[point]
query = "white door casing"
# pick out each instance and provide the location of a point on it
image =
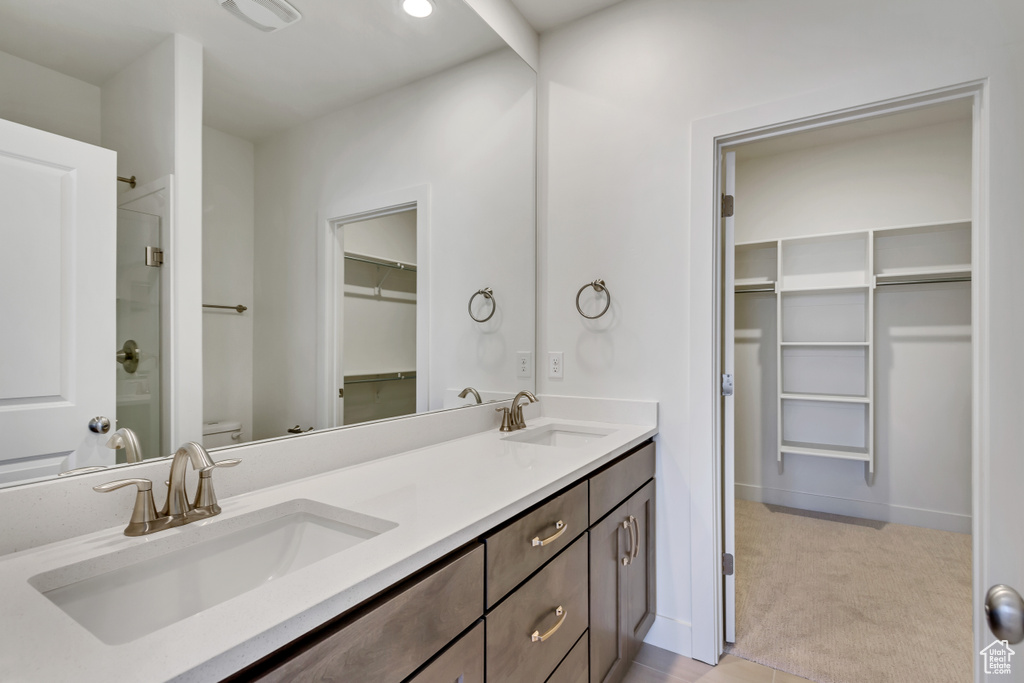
(998, 555)
(57, 275)
(728, 402)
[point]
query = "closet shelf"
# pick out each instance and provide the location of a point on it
(826, 398)
(826, 451)
(824, 343)
(825, 288)
(937, 273)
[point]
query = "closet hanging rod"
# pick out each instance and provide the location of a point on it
(396, 265)
(924, 281)
(130, 181)
(400, 377)
(239, 308)
(755, 291)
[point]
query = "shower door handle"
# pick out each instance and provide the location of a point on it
(1004, 609)
(128, 356)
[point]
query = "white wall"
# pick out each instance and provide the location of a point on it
(916, 175)
(152, 116)
(922, 333)
(229, 177)
(138, 116)
(35, 96)
(468, 134)
(622, 92)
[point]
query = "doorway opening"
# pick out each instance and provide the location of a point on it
(848, 330)
(378, 321)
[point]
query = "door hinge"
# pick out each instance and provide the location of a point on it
(728, 203)
(154, 256)
(726, 385)
(727, 564)
(341, 392)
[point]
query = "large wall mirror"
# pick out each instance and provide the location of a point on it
(325, 216)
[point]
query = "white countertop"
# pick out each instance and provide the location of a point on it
(441, 497)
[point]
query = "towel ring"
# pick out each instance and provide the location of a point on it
(599, 286)
(488, 294)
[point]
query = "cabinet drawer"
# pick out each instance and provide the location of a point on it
(513, 553)
(611, 486)
(463, 662)
(574, 668)
(513, 654)
(392, 638)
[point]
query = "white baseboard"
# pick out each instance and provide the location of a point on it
(883, 512)
(670, 634)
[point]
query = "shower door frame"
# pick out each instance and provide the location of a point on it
(170, 430)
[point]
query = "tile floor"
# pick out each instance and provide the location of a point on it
(654, 665)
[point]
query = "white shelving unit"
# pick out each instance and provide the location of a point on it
(825, 289)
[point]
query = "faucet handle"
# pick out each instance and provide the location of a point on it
(206, 499)
(208, 471)
(506, 419)
(144, 512)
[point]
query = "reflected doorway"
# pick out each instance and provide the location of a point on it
(378, 321)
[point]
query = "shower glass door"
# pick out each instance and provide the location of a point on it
(138, 330)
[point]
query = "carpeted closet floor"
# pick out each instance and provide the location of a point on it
(845, 600)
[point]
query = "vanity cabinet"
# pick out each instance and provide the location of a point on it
(392, 636)
(463, 662)
(562, 593)
(622, 564)
(530, 632)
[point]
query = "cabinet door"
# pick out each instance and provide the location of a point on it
(609, 550)
(640, 584)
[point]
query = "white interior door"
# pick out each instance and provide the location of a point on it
(57, 275)
(728, 403)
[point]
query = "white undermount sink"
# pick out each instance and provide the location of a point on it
(559, 435)
(123, 596)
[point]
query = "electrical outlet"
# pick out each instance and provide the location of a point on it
(524, 364)
(555, 365)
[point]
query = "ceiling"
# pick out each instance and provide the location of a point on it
(545, 15)
(255, 84)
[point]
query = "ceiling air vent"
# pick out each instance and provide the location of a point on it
(266, 15)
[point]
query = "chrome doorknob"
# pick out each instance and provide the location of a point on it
(1005, 611)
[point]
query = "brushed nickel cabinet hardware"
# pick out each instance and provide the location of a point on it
(636, 543)
(538, 637)
(538, 542)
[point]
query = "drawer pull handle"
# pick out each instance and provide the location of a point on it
(627, 524)
(536, 636)
(636, 547)
(538, 542)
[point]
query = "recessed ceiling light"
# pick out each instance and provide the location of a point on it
(418, 8)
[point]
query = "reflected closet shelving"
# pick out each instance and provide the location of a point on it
(824, 287)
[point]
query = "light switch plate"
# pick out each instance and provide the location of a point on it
(555, 364)
(524, 364)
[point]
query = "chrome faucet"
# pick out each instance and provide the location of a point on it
(125, 438)
(177, 510)
(470, 390)
(517, 410)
